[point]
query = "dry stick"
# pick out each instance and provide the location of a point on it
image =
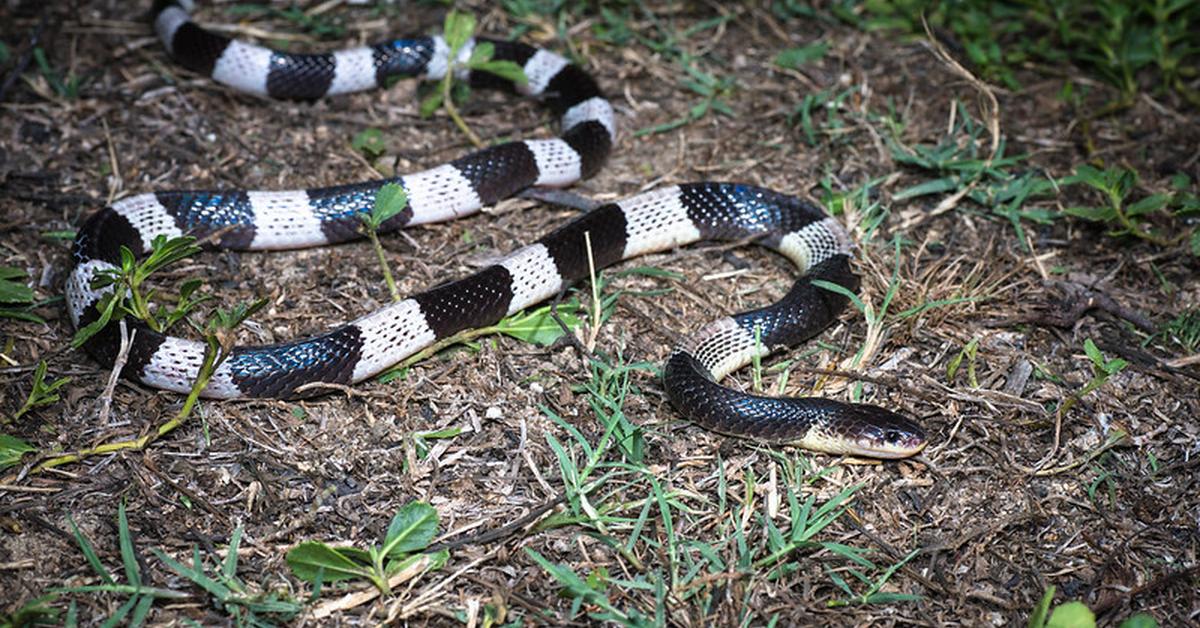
(503, 531)
(993, 122)
(115, 374)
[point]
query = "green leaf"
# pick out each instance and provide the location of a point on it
(539, 327)
(842, 290)
(936, 186)
(128, 559)
(457, 29)
(1139, 620)
(1072, 615)
(311, 558)
(1099, 214)
(1147, 205)
(108, 306)
(793, 58)
(506, 70)
(1196, 243)
(435, 560)
(11, 450)
(89, 552)
(1090, 176)
(65, 234)
(1093, 352)
(11, 291)
(229, 568)
(430, 104)
(20, 315)
(390, 200)
(482, 53)
(370, 143)
(411, 529)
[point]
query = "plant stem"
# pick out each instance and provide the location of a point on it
(448, 103)
(387, 270)
(207, 368)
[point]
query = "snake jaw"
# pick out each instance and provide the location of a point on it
(867, 431)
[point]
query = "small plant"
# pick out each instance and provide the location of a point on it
(1184, 330)
(219, 340)
(793, 58)
(129, 296)
(968, 352)
(1102, 369)
(16, 298)
(390, 200)
(1115, 186)
(230, 594)
(873, 593)
(713, 92)
(38, 612)
(964, 170)
(40, 393)
(589, 592)
(66, 87)
(369, 143)
(458, 29)
(410, 532)
(141, 596)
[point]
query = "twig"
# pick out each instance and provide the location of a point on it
(504, 530)
(105, 399)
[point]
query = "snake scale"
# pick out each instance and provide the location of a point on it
(657, 220)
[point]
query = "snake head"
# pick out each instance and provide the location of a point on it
(880, 433)
(863, 430)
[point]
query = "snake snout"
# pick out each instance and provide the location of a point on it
(881, 433)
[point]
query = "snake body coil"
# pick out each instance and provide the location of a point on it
(653, 221)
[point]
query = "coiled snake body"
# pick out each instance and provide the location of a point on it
(653, 221)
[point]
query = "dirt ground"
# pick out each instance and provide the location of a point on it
(1009, 498)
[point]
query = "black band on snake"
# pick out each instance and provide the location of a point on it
(658, 220)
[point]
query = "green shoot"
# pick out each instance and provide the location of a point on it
(872, 595)
(967, 352)
(141, 596)
(1184, 330)
(369, 143)
(458, 29)
(41, 393)
(16, 298)
(713, 93)
(66, 87)
(793, 58)
(1115, 185)
(1102, 369)
(587, 592)
(12, 449)
(230, 594)
(128, 295)
(390, 200)
(410, 532)
(219, 341)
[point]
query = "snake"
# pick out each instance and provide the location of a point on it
(660, 219)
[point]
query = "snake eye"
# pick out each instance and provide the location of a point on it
(892, 436)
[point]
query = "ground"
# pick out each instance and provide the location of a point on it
(1032, 479)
